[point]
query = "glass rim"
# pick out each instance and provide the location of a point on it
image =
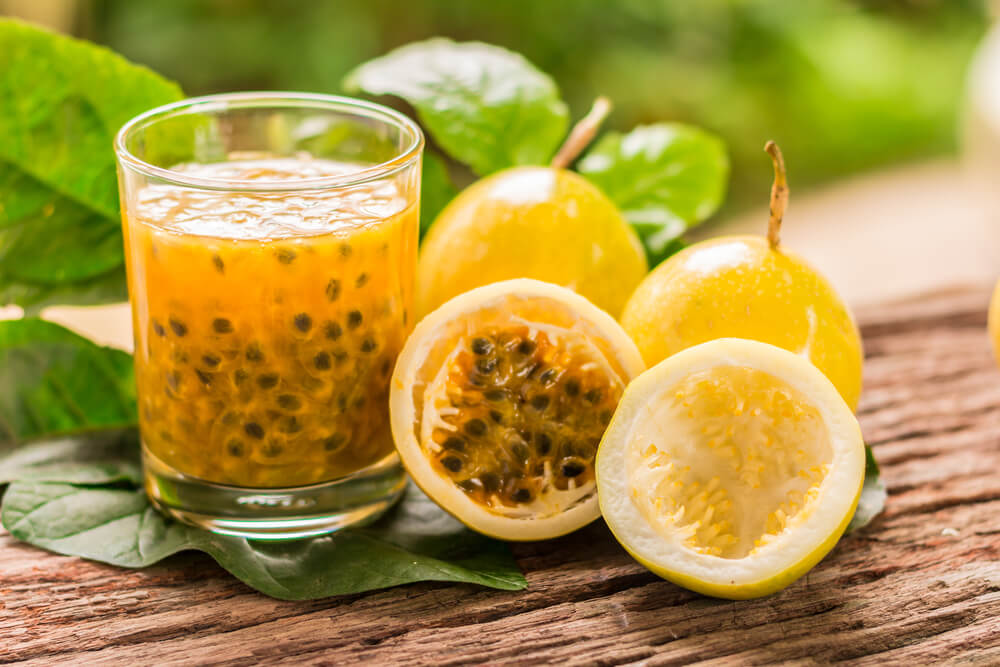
(273, 100)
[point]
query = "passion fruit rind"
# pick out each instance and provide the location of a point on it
(499, 400)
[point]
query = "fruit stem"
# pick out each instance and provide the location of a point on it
(779, 194)
(582, 133)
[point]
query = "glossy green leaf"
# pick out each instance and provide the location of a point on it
(873, 494)
(665, 178)
(53, 381)
(436, 190)
(106, 457)
(486, 106)
(99, 511)
(108, 287)
(61, 103)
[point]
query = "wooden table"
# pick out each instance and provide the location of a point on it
(920, 585)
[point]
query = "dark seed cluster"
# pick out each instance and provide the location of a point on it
(528, 417)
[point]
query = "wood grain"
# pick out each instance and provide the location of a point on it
(920, 585)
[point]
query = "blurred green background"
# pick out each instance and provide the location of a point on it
(842, 86)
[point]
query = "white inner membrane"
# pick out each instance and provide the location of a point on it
(727, 460)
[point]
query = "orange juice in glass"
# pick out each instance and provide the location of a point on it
(271, 244)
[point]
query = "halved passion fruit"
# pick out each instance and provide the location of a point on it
(731, 468)
(499, 401)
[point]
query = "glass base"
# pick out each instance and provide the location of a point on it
(275, 514)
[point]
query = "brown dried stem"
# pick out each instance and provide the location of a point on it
(779, 194)
(582, 133)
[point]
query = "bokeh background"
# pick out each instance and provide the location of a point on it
(869, 99)
(842, 86)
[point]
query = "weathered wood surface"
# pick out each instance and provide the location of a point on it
(920, 585)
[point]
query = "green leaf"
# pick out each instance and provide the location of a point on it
(107, 457)
(486, 106)
(108, 287)
(665, 178)
(873, 494)
(53, 381)
(99, 511)
(61, 103)
(436, 190)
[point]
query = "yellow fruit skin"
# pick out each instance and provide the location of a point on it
(739, 287)
(994, 322)
(761, 588)
(531, 222)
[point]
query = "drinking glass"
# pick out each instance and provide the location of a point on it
(270, 243)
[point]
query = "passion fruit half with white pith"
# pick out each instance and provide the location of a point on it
(499, 401)
(731, 468)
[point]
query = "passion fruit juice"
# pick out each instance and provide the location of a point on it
(267, 324)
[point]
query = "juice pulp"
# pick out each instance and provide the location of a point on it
(267, 324)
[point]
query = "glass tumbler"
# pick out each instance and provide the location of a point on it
(271, 243)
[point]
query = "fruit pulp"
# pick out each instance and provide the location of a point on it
(499, 401)
(267, 323)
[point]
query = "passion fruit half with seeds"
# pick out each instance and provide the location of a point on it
(499, 400)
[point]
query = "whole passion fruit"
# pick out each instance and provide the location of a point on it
(748, 287)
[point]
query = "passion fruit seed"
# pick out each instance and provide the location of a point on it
(540, 402)
(289, 401)
(254, 430)
(333, 289)
(222, 325)
(158, 329)
(220, 266)
(522, 495)
(362, 279)
(354, 319)
(254, 353)
(179, 328)
(285, 255)
(455, 443)
(333, 331)
(481, 346)
(303, 322)
(290, 425)
(476, 427)
(486, 366)
(572, 467)
(322, 361)
(267, 380)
